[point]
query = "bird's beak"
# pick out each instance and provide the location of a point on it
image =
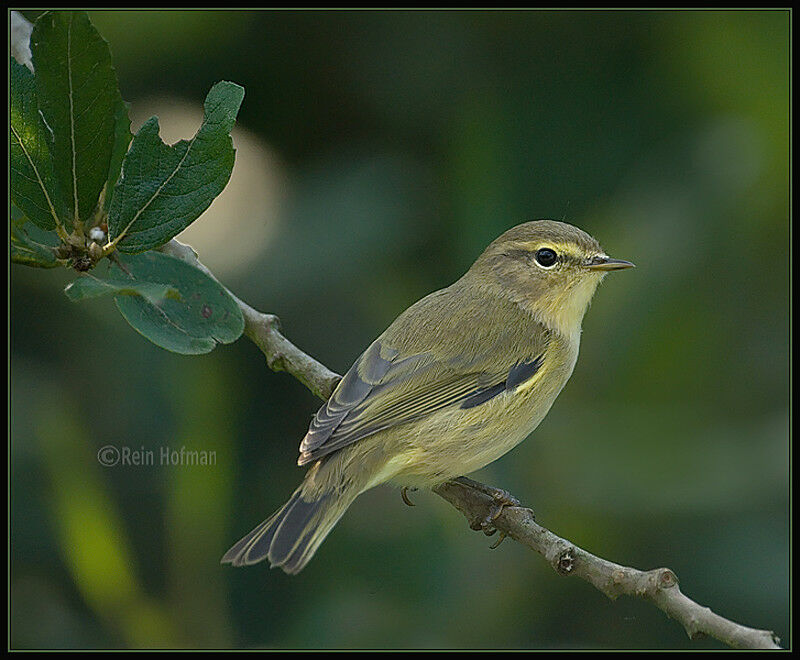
(604, 262)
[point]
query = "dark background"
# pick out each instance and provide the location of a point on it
(378, 153)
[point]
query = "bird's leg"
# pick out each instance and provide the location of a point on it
(404, 494)
(501, 498)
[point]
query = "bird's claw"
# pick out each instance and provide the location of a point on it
(499, 540)
(500, 496)
(486, 524)
(404, 494)
(501, 499)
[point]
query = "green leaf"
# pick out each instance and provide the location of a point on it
(33, 186)
(122, 140)
(78, 97)
(90, 286)
(205, 315)
(163, 189)
(31, 245)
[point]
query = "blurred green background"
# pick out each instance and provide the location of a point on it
(378, 153)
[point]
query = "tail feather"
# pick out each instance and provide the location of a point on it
(294, 527)
(240, 554)
(291, 536)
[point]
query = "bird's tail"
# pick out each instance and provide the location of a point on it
(290, 537)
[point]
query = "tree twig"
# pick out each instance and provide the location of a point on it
(264, 331)
(659, 586)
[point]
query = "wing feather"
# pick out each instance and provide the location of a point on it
(378, 393)
(357, 383)
(401, 378)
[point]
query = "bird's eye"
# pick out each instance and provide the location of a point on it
(546, 257)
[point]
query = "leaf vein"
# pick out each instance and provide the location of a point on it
(38, 178)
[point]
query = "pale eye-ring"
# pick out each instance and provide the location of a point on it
(546, 257)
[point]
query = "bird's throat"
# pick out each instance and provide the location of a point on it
(563, 313)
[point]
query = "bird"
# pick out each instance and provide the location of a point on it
(457, 380)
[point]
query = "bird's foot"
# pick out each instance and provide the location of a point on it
(500, 499)
(404, 494)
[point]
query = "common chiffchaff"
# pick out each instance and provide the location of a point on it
(457, 380)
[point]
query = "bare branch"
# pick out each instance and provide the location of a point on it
(264, 331)
(659, 586)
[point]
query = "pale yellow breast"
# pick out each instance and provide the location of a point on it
(457, 441)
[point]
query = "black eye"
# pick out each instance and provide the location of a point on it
(546, 257)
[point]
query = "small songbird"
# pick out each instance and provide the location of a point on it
(460, 378)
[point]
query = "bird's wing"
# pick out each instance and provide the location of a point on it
(386, 388)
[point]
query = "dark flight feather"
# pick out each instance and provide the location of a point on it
(518, 374)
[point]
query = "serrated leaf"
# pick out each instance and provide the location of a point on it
(163, 189)
(205, 315)
(31, 245)
(90, 286)
(122, 140)
(33, 184)
(78, 97)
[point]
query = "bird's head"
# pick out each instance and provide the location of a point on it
(549, 268)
